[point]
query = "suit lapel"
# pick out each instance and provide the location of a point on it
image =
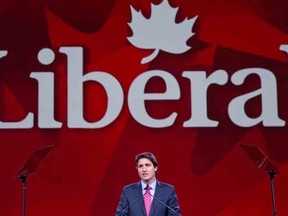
(155, 203)
(140, 194)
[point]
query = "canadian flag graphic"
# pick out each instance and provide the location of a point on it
(160, 32)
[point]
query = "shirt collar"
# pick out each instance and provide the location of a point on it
(152, 185)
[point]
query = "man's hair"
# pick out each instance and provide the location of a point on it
(147, 155)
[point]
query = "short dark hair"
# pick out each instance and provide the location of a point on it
(147, 155)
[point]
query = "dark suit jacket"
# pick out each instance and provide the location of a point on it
(132, 202)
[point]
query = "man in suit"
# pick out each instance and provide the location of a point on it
(148, 197)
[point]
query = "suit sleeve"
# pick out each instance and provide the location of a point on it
(173, 203)
(122, 208)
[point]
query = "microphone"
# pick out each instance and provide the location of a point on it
(163, 203)
(160, 201)
(129, 206)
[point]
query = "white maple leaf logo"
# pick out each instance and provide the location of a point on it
(160, 31)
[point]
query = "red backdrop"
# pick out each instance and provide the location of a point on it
(85, 173)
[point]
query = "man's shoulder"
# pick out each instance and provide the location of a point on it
(165, 185)
(132, 186)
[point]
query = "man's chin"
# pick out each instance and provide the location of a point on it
(146, 179)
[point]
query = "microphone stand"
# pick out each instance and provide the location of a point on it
(22, 179)
(132, 204)
(272, 175)
(163, 203)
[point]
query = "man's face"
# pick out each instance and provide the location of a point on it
(146, 170)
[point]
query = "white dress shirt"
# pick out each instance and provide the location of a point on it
(152, 188)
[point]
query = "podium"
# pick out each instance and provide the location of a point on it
(265, 165)
(29, 168)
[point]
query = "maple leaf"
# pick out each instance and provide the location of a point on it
(160, 31)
